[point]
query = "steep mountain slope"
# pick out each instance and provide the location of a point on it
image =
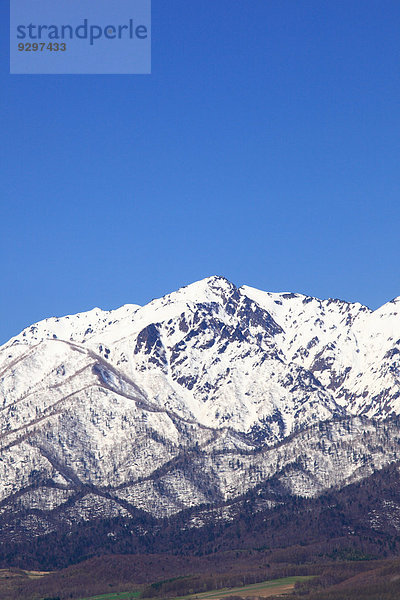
(193, 399)
(353, 351)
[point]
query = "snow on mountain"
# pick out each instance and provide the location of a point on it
(194, 398)
(352, 350)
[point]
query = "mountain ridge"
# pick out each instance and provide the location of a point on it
(195, 398)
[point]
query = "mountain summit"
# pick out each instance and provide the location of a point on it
(193, 399)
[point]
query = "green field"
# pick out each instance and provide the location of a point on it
(263, 589)
(115, 596)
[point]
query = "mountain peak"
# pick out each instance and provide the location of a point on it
(218, 280)
(214, 282)
(220, 284)
(194, 398)
(211, 289)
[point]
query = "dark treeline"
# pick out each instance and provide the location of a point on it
(381, 582)
(156, 576)
(167, 576)
(340, 535)
(355, 521)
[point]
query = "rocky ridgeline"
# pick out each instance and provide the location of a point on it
(193, 399)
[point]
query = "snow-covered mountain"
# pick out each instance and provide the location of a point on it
(195, 398)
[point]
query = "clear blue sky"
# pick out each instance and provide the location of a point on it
(264, 147)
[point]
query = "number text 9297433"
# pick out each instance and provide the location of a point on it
(42, 47)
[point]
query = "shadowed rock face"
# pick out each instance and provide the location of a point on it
(194, 398)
